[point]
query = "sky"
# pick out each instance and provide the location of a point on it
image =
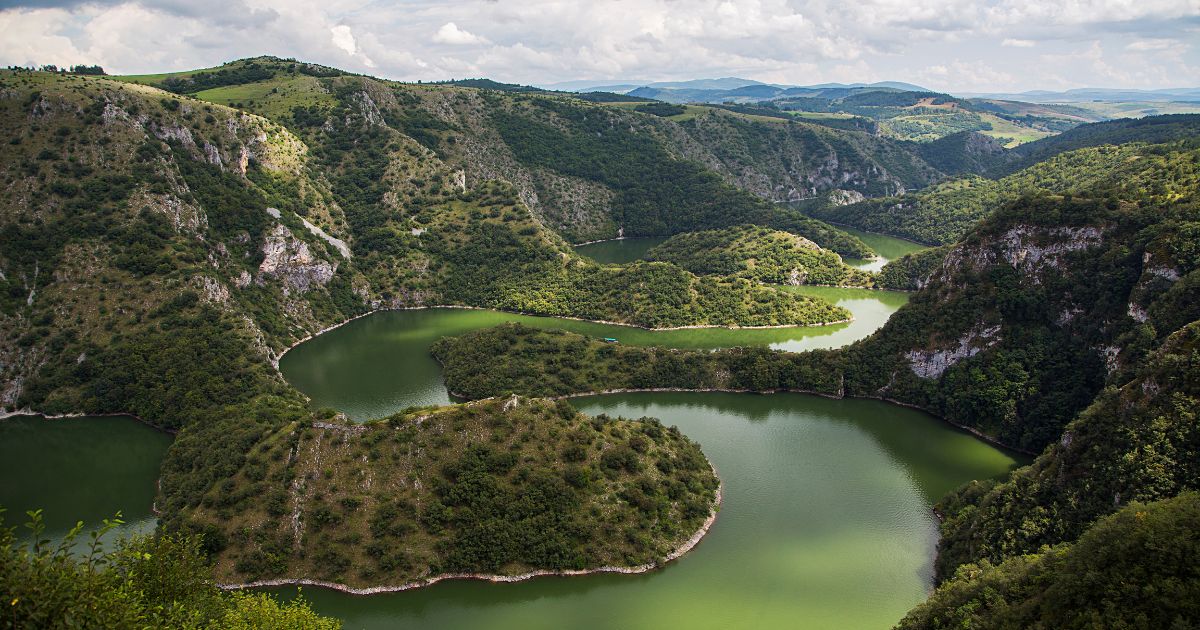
(945, 45)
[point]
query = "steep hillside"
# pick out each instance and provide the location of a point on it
(964, 152)
(1137, 442)
(944, 213)
(1044, 303)
(1135, 569)
(589, 170)
(1150, 130)
(1061, 325)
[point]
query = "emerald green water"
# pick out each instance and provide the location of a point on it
(620, 251)
(888, 247)
(380, 364)
(826, 521)
(80, 469)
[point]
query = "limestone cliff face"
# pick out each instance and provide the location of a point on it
(147, 173)
(289, 259)
(778, 162)
(840, 197)
(1026, 320)
(1031, 250)
(932, 363)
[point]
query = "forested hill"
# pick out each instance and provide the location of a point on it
(168, 248)
(587, 169)
(945, 212)
(1064, 325)
(1150, 130)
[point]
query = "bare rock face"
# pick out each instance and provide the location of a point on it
(840, 197)
(212, 155)
(214, 291)
(1029, 249)
(369, 110)
(185, 217)
(288, 258)
(243, 280)
(337, 243)
(932, 363)
(169, 131)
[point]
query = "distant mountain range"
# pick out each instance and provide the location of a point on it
(1082, 95)
(746, 90)
(623, 86)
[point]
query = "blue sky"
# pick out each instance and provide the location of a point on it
(949, 45)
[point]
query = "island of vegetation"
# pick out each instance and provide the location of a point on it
(500, 489)
(759, 254)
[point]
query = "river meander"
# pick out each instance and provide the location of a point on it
(826, 521)
(377, 365)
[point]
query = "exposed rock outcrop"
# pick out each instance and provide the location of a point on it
(288, 258)
(932, 363)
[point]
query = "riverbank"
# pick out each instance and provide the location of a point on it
(678, 552)
(279, 356)
(6, 414)
(839, 396)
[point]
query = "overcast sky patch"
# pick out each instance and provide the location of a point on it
(951, 45)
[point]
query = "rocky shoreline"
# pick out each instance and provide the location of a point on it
(310, 336)
(6, 414)
(684, 548)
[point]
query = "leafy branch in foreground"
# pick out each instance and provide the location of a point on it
(145, 582)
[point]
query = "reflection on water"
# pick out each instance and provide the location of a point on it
(620, 251)
(378, 365)
(826, 524)
(79, 469)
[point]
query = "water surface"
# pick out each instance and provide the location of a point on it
(380, 364)
(620, 251)
(80, 469)
(887, 247)
(826, 523)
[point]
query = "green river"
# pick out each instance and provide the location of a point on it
(621, 250)
(888, 248)
(826, 522)
(79, 469)
(377, 365)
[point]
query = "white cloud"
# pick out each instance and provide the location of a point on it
(449, 33)
(965, 76)
(1017, 44)
(343, 38)
(1151, 45)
